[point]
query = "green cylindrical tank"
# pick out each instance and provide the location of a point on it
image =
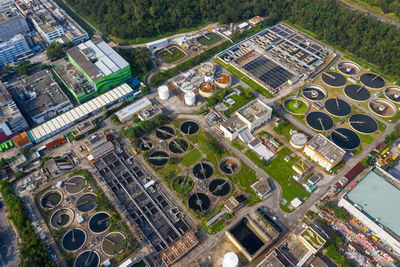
(10, 143)
(6, 146)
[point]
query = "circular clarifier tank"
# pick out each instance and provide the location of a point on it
(178, 146)
(382, 107)
(62, 218)
(190, 127)
(74, 239)
(99, 222)
(86, 202)
(349, 68)
(393, 93)
(319, 121)
(357, 92)
(203, 170)
(333, 79)
(199, 202)
(158, 158)
(372, 80)
(75, 185)
(229, 166)
(88, 258)
(113, 243)
(51, 199)
(296, 105)
(337, 107)
(363, 123)
(165, 132)
(219, 187)
(314, 92)
(345, 138)
(144, 144)
(183, 184)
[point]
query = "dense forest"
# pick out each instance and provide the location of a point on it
(387, 6)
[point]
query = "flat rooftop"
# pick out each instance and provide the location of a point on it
(376, 194)
(326, 148)
(254, 110)
(233, 124)
(9, 15)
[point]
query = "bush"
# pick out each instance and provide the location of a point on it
(114, 119)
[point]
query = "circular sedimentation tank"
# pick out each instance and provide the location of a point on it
(178, 146)
(349, 68)
(199, 202)
(314, 92)
(75, 185)
(62, 218)
(223, 80)
(183, 184)
(333, 79)
(229, 166)
(144, 144)
(296, 105)
(203, 170)
(357, 92)
(74, 239)
(207, 89)
(190, 127)
(219, 187)
(88, 258)
(86, 202)
(345, 138)
(99, 222)
(113, 243)
(337, 107)
(372, 80)
(51, 199)
(363, 123)
(319, 121)
(393, 93)
(382, 107)
(165, 132)
(158, 158)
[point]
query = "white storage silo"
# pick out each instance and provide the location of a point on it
(190, 98)
(208, 77)
(230, 260)
(163, 92)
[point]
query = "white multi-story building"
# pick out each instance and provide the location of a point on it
(6, 5)
(12, 22)
(47, 26)
(15, 49)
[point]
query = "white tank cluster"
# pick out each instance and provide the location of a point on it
(163, 92)
(190, 98)
(230, 260)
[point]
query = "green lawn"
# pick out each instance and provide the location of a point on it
(240, 102)
(365, 138)
(191, 157)
(169, 171)
(237, 145)
(171, 55)
(284, 129)
(212, 39)
(290, 106)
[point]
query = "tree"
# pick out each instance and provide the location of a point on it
(23, 68)
(55, 50)
(114, 119)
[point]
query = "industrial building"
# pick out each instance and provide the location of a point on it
(101, 66)
(127, 112)
(12, 22)
(14, 49)
(47, 26)
(371, 201)
(323, 151)
(41, 97)
(11, 120)
(6, 5)
(79, 113)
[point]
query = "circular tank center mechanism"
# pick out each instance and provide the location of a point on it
(178, 146)
(229, 166)
(51, 199)
(382, 107)
(61, 218)
(158, 158)
(333, 79)
(219, 187)
(86, 202)
(199, 202)
(349, 68)
(165, 132)
(357, 92)
(113, 243)
(74, 239)
(183, 184)
(363, 123)
(88, 258)
(144, 144)
(393, 93)
(75, 185)
(190, 127)
(296, 105)
(203, 170)
(319, 121)
(314, 92)
(99, 222)
(337, 107)
(372, 80)
(345, 138)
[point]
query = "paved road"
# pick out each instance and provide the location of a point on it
(8, 243)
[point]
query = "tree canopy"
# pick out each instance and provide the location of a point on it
(55, 49)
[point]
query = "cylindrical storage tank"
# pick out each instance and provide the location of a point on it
(207, 89)
(190, 98)
(230, 260)
(208, 77)
(223, 80)
(163, 92)
(298, 140)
